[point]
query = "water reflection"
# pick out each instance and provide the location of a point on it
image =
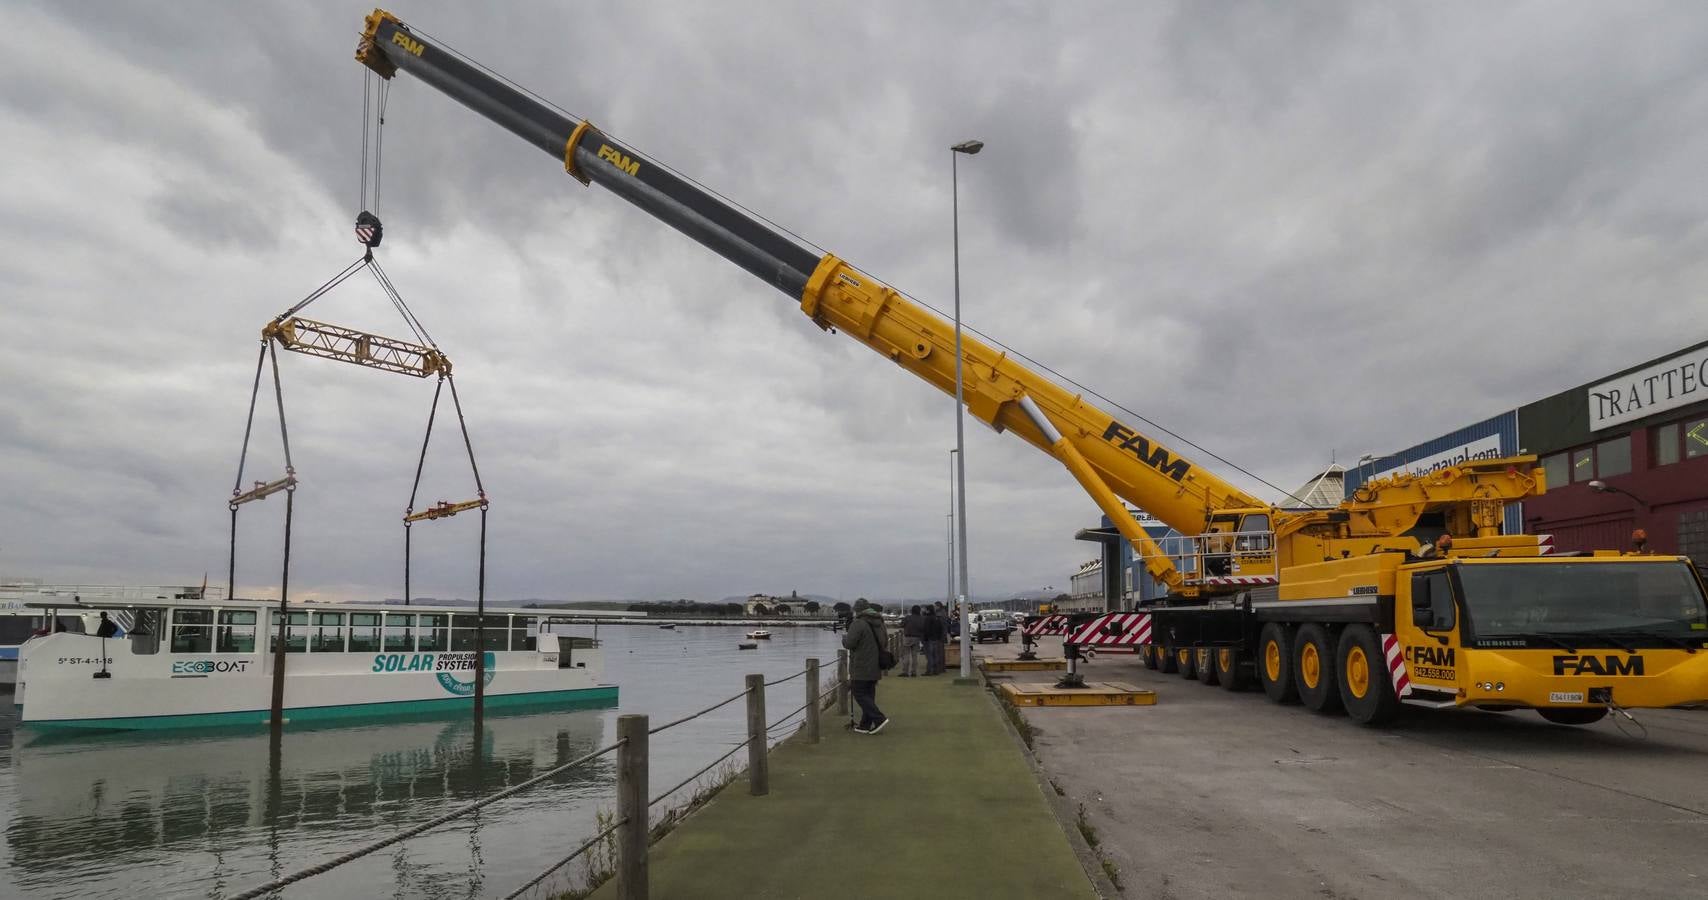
(249, 806)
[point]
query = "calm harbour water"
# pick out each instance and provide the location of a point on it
(129, 815)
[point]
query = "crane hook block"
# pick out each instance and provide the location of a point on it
(369, 231)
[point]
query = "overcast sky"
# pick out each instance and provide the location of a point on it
(1283, 230)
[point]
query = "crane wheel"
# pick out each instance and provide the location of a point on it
(1316, 669)
(1574, 715)
(1230, 671)
(1366, 689)
(1147, 655)
(1205, 662)
(1186, 661)
(1166, 661)
(1274, 663)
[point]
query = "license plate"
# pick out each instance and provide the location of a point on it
(1565, 697)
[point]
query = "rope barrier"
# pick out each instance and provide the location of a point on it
(786, 678)
(779, 723)
(408, 833)
(566, 860)
(692, 716)
(709, 766)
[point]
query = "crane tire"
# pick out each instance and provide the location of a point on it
(1366, 688)
(1204, 660)
(1186, 660)
(1147, 655)
(1230, 669)
(1316, 668)
(1274, 663)
(1166, 661)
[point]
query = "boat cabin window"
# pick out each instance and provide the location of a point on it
(296, 632)
(144, 634)
(496, 639)
(364, 632)
(434, 633)
(328, 633)
(399, 633)
(524, 632)
(236, 633)
(16, 629)
(464, 635)
(192, 631)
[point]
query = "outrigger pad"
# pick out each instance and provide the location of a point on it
(369, 231)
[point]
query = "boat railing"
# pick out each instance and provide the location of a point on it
(113, 592)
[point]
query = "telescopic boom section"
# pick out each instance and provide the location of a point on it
(1109, 459)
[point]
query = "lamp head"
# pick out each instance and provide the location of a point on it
(968, 147)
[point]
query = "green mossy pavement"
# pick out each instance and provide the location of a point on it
(941, 804)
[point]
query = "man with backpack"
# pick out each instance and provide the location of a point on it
(864, 641)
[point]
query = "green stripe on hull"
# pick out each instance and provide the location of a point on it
(601, 697)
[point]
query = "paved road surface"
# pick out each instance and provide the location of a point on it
(1211, 794)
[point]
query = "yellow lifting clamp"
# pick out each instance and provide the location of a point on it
(359, 347)
(263, 489)
(445, 509)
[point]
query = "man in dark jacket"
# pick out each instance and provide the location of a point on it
(934, 634)
(912, 636)
(863, 639)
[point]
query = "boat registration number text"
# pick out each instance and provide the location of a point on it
(424, 662)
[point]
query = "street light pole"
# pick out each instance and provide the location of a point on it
(949, 595)
(969, 148)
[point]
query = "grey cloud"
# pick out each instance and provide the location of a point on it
(1282, 230)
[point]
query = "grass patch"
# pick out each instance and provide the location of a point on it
(1086, 829)
(1113, 872)
(599, 863)
(1027, 731)
(718, 780)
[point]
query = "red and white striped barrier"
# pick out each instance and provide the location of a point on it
(1396, 665)
(1054, 624)
(1241, 579)
(1544, 544)
(1113, 630)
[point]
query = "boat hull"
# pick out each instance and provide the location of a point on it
(600, 697)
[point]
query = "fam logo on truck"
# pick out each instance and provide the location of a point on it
(1432, 662)
(1598, 665)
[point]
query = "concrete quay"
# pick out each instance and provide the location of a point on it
(1212, 794)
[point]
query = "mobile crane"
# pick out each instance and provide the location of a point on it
(1341, 608)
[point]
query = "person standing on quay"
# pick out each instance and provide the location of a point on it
(912, 635)
(863, 639)
(934, 635)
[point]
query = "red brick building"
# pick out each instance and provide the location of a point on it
(1626, 451)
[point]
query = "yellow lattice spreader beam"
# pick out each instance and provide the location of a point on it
(359, 347)
(444, 509)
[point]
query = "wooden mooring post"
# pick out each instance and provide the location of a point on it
(842, 683)
(631, 808)
(758, 766)
(812, 700)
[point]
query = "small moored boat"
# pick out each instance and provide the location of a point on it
(760, 635)
(671, 626)
(747, 646)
